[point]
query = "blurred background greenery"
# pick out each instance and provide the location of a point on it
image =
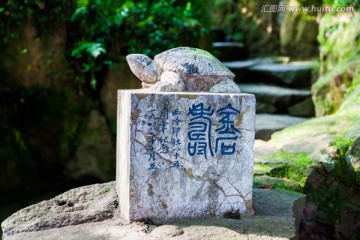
(61, 63)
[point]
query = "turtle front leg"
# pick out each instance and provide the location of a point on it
(225, 86)
(169, 82)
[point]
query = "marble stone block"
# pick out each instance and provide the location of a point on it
(184, 155)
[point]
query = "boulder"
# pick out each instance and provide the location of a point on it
(86, 204)
(332, 203)
(95, 155)
(90, 213)
(339, 63)
(274, 202)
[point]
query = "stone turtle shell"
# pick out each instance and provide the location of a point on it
(192, 62)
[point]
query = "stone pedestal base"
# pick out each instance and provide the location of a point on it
(184, 155)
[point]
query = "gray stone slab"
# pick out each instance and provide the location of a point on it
(273, 92)
(245, 63)
(184, 155)
(240, 67)
(271, 98)
(293, 74)
(228, 44)
(267, 124)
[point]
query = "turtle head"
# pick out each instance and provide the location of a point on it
(144, 68)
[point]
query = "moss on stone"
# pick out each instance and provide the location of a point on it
(286, 166)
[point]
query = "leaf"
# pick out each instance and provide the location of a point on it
(94, 49)
(78, 11)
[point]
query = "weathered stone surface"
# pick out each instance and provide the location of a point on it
(182, 155)
(293, 74)
(170, 82)
(80, 205)
(95, 155)
(257, 227)
(266, 224)
(267, 124)
(226, 86)
(197, 68)
(108, 229)
(274, 202)
(166, 231)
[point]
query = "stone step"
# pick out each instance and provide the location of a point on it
(240, 67)
(267, 124)
(229, 51)
(274, 99)
(293, 74)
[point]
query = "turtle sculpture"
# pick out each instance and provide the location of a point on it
(182, 69)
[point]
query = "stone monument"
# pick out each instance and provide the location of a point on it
(182, 154)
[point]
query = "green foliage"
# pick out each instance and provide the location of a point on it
(148, 27)
(122, 27)
(343, 3)
(335, 190)
(99, 31)
(91, 50)
(339, 61)
(342, 145)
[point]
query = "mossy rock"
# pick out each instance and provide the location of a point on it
(339, 63)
